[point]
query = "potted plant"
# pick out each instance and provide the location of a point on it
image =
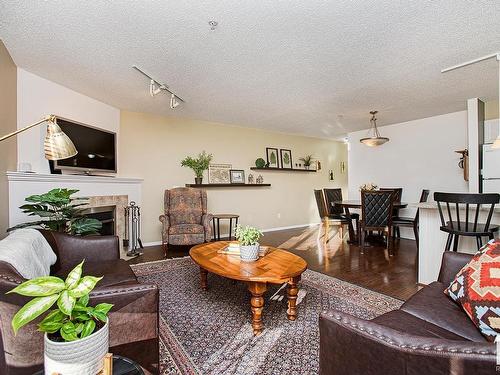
(307, 160)
(198, 165)
(248, 238)
(76, 334)
(59, 212)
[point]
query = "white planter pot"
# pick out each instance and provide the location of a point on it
(249, 253)
(80, 357)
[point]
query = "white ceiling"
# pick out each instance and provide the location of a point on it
(309, 67)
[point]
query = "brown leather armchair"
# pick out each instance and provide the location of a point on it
(186, 221)
(429, 334)
(134, 324)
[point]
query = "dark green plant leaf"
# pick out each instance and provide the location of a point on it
(103, 308)
(54, 316)
(81, 316)
(50, 327)
(84, 301)
(68, 332)
(88, 328)
(101, 316)
(86, 226)
(79, 328)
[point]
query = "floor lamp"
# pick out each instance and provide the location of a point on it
(57, 145)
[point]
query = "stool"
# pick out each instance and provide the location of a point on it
(229, 217)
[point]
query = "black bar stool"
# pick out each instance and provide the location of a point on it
(457, 226)
(218, 218)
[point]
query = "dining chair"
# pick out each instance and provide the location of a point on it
(468, 225)
(376, 212)
(326, 217)
(398, 194)
(401, 221)
(337, 211)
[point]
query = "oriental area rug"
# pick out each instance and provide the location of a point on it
(209, 332)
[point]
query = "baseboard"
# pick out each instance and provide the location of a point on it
(154, 243)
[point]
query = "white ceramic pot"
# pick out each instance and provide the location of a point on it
(249, 253)
(79, 357)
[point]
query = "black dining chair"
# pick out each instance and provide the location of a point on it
(376, 212)
(398, 194)
(337, 211)
(467, 225)
(327, 217)
(399, 221)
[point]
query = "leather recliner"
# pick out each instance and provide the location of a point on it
(429, 334)
(134, 324)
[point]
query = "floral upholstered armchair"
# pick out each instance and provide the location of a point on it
(186, 221)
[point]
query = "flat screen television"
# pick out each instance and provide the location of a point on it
(96, 148)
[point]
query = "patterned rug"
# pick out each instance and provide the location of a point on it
(209, 332)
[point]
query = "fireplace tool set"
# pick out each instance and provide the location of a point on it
(132, 238)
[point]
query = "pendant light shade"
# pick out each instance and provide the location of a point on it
(57, 145)
(375, 139)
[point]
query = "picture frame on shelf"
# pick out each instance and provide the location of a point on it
(237, 176)
(286, 158)
(219, 173)
(272, 157)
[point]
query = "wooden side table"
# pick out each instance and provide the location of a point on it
(229, 217)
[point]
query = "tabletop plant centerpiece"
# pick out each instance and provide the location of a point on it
(307, 160)
(248, 238)
(76, 334)
(370, 186)
(60, 212)
(198, 165)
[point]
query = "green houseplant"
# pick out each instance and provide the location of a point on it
(307, 160)
(198, 165)
(248, 238)
(60, 211)
(76, 334)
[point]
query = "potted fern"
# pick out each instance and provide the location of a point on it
(307, 160)
(248, 238)
(198, 165)
(76, 334)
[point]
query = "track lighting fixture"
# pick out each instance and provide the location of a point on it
(156, 87)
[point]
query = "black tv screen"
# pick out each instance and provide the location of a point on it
(96, 148)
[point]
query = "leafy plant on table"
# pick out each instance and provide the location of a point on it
(307, 160)
(73, 319)
(198, 164)
(59, 212)
(248, 236)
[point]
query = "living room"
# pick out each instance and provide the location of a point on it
(296, 119)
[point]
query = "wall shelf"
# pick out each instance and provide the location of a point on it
(283, 169)
(203, 186)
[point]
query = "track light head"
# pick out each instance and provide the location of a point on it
(154, 88)
(174, 102)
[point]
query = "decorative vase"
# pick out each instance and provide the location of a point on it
(79, 357)
(249, 253)
(307, 167)
(198, 180)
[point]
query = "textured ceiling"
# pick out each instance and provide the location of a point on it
(309, 67)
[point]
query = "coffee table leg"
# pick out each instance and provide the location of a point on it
(257, 303)
(292, 292)
(203, 274)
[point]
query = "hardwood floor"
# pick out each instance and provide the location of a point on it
(394, 276)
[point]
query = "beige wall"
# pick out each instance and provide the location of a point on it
(491, 110)
(153, 146)
(8, 110)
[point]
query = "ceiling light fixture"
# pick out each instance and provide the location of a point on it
(156, 87)
(375, 139)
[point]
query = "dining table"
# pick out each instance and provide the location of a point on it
(356, 204)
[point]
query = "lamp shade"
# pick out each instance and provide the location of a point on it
(374, 141)
(57, 145)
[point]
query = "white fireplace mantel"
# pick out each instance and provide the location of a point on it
(22, 185)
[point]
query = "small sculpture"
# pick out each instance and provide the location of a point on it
(260, 179)
(250, 178)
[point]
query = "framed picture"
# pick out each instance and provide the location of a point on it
(286, 158)
(272, 157)
(219, 173)
(237, 176)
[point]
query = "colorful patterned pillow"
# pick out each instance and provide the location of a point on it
(477, 289)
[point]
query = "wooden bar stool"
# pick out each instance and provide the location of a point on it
(229, 217)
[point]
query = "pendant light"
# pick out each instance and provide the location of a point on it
(375, 139)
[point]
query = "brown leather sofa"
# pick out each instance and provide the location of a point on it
(429, 334)
(133, 319)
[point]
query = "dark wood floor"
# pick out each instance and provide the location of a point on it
(394, 276)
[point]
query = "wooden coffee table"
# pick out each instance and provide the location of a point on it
(276, 267)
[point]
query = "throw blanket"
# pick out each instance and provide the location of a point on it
(28, 252)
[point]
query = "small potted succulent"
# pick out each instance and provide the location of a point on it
(248, 238)
(307, 160)
(76, 334)
(198, 165)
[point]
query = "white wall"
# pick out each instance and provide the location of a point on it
(420, 155)
(38, 97)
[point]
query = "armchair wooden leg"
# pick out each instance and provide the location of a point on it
(165, 249)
